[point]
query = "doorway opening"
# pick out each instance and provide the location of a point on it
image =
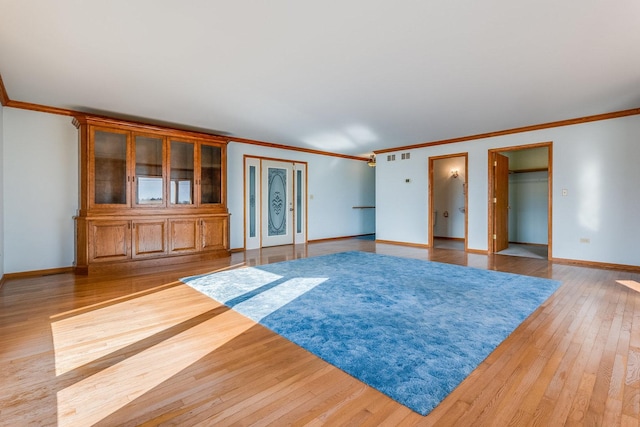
(275, 202)
(520, 188)
(448, 201)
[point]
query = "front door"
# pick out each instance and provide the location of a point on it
(275, 202)
(283, 201)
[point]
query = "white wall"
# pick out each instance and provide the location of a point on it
(1, 191)
(595, 162)
(40, 190)
(335, 185)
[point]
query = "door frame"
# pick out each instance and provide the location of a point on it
(258, 161)
(491, 186)
(466, 196)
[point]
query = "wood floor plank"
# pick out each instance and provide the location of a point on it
(144, 349)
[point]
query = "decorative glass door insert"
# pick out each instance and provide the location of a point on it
(277, 202)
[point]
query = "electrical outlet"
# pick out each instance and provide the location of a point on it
(565, 192)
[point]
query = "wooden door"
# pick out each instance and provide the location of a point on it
(500, 203)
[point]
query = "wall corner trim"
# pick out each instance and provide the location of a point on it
(4, 97)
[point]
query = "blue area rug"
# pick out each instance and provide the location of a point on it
(412, 329)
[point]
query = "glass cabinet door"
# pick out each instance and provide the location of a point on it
(149, 180)
(182, 173)
(110, 168)
(210, 174)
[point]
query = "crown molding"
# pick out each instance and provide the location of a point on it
(41, 108)
(290, 148)
(80, 119)
(7, 102)
(559, 123)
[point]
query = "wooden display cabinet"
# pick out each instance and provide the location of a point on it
(148, 195)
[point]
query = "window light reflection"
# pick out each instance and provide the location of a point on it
(590, 196)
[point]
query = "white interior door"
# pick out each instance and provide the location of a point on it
(277, 203)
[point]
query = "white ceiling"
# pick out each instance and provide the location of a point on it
(342, 76)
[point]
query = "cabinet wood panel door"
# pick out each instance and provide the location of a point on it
(183, 235)
(149, 171)
(210, 179)
(149, 237)
(214, 233)
(109, 240)
(108, 168)
(182, 173)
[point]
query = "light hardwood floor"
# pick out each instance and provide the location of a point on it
(144, 349)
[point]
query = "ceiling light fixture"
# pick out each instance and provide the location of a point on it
(372, 161)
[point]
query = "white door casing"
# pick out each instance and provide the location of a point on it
(275, 202)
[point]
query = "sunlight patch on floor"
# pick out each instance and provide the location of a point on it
(271, 300)
(100, 395)
(254, 290)
(86, 337)
(631, 284)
